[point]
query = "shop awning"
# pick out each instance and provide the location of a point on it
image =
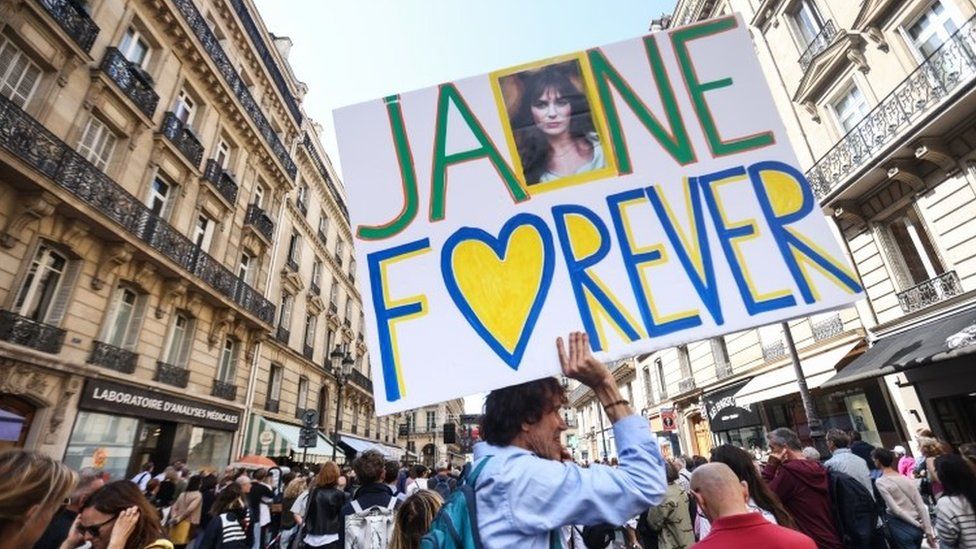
(274, 438)
(782, 381)
(360, 445)
(930, 342)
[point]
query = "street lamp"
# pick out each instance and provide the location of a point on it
(341, 362)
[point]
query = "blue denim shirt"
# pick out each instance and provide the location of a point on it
(522, 497)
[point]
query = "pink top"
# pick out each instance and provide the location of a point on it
(905, 466)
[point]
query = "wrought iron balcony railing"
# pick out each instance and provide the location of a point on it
(132, 80)
(951, 68)
(30, 333)
(930, 292)
(114, 358)
(282, 335)
(360, 379)
(774, 351)
(827, 328)
(224, 390)
(320, 167)
(222, 181)
(200, 28)
(34, 144)
(171, 375)
(820, 42)
(183, 138)
(74, 20)
(257, 218)
(271, 406)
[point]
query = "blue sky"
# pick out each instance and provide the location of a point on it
(355, 50)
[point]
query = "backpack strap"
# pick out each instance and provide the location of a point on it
(392, 504)
(472, 477)
(356, 507)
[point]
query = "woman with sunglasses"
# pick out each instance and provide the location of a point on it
(117, 516)
(32, 488)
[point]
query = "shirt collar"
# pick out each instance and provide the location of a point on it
(842, 451)
(483, 449)
(739, 521)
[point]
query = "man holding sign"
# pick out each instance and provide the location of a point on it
(526, 493)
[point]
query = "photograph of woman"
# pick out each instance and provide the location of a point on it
(552, 123)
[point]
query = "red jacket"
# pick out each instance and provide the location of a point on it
(802, 486)
(752, 530)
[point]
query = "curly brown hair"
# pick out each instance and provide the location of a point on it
(508, 408)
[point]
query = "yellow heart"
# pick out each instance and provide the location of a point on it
(501, 290)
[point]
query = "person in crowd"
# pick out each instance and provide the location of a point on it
(925, 468)
(230, 524)
(955, 518)
(723, 499)
(32, 487)
(802, 486)
(144, 476)
(862, 449)
(117, 516)
(391, 474)
(259, 503)
(905, 462)
(968, 451)
(907, 517)
(684, 475)
(208, 493)
(317, 511)
(373, 493)
(182, 479)
(152, 490)
(244, 482)
(414, 518)
(811, 453)
(525, 492)
(670, 519)
(289, 526)
(166, 493)
(845, 461)
(418, 479)
(184, 517)
(762, 500)
(442, 482)
(89, 480)
(698, 461)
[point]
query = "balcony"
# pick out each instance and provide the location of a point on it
(260, 221)
(308, 351)
(313, 287)
(226, 68)
(132, 80)
(360, 379)
(224, 390)
(271, 406)
(283, 335)
(819, 43)
(73, 20)
(930, 292)
(320, 167)
(183, 138)
(686, 385)
(932, 85)
(774, 351)
(827, 328)
(113, 358)
(27, 139)
(171, 375)
(221, 180)
(21, 330)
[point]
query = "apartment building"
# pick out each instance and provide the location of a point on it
(422, 433)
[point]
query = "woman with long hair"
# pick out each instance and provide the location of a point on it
(931, 449)
(955, 518)
(413, 519)
(32, 488)
(319, 509)
(229, 527)
(907, 517)
(117, 516)
(288, 525)
(184, 518)
(553, 126)
(761, 498)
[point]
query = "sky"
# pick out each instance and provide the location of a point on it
(350, 51)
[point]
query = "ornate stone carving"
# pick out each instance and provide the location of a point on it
(113, 256)
(223, 320)
(173, 289)
(72, 387)
(145, 275)
(18, 378)
(899, 170)
(935, 151)
(31, 207)
(875, 35)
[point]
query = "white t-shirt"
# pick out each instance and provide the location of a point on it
(142, 480)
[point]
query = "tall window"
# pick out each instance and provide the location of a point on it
(310, 330)
(807, 20)
(431, 420)
(917, 256)
(302, 403)
(228, 361)
(274, 383)
(97, 143)
(684, 361)
(662, 386)
(161, 197)
(203, 232)
(411, 422)
(302, 194)
(648, 385)
(324, 225)
(18, 74)
(349, 310)
(338, 252)
(294, 247)
(185, 107)
(180, 340)
(850, 107)
(43, 294)
(134, 47)
(284, 312)
(245, 267)
(222, 156)
(124, 318)
(931, 29)
(334, 294)
(329, 341)
(258, 198)
(317, 272)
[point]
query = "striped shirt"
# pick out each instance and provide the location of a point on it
(955, 522)
(232, 533)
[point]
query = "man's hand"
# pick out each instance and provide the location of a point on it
(579, 364)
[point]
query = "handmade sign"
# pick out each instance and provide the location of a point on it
(644, 192)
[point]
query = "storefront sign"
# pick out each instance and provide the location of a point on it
(669, 421)
(118, 399)
(645, 192)
(723, 413)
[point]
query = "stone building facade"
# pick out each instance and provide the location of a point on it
(422, 433)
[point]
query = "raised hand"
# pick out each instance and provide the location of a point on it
(578, 362)
(124, 525)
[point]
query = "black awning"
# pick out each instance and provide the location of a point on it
(909, 349)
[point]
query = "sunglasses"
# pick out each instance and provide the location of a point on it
(94, 530)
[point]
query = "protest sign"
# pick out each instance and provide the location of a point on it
(644, 192)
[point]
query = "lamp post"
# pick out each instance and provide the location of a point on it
(341, 362)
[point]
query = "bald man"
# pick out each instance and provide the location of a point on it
(722, 497)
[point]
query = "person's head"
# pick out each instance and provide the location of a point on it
(147, 467)
(900, 451)
(837, 439)
(854, 435)
(328, 476)
(527, 416)
(929, 447)
(718, 491)
(230, 498)
(783, 441)
(811, 453)
(670, 472)
(924, 432)
(957, 477)
(369, 467)
(443, 468)
(698, 461)
(152, 486)
(260, 475)
(170, 474)
(193, 484)
(294, 488)
(32, 488)
(884, 458)
(391, 471)
(208, 483)
(678, 463)
(413, 519)
(244, 482)
(89, 480)
(743, 466)
(342, 482)
(102, 509)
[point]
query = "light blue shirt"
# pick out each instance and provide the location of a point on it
(522, 497)
(851, 464)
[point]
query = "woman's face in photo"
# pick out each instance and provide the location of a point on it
(551, 113)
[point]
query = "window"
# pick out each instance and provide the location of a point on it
(294, 247)
(258, 198)
(411, 422)
(124, 318)
(807, 20)
(18, 74)
(323, 226)
(227, 370)
(931, 29)
(185, 107)
(338, 252)
(134, 47)
(720, 353)
(352, 267)
(274, 383)
(203, 232)
(431, 420)
(850, 108)
(97, 143)
(648, 385)
(161, 197)
(244, 270)
(310, 330)
(355, 417)
(43, 294)
(334, 295)
(222, 156)
(329, 340)
(316, 271)
(684, 361)
(284, 313)
(662, 387)
(180, 340)
(302, 403)
(917, 258)
(349, 310)
(302, 195)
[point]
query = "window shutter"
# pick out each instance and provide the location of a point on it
(28, 74)
(113, 310)
(56, 313)
(188, 339)
(135, 323)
